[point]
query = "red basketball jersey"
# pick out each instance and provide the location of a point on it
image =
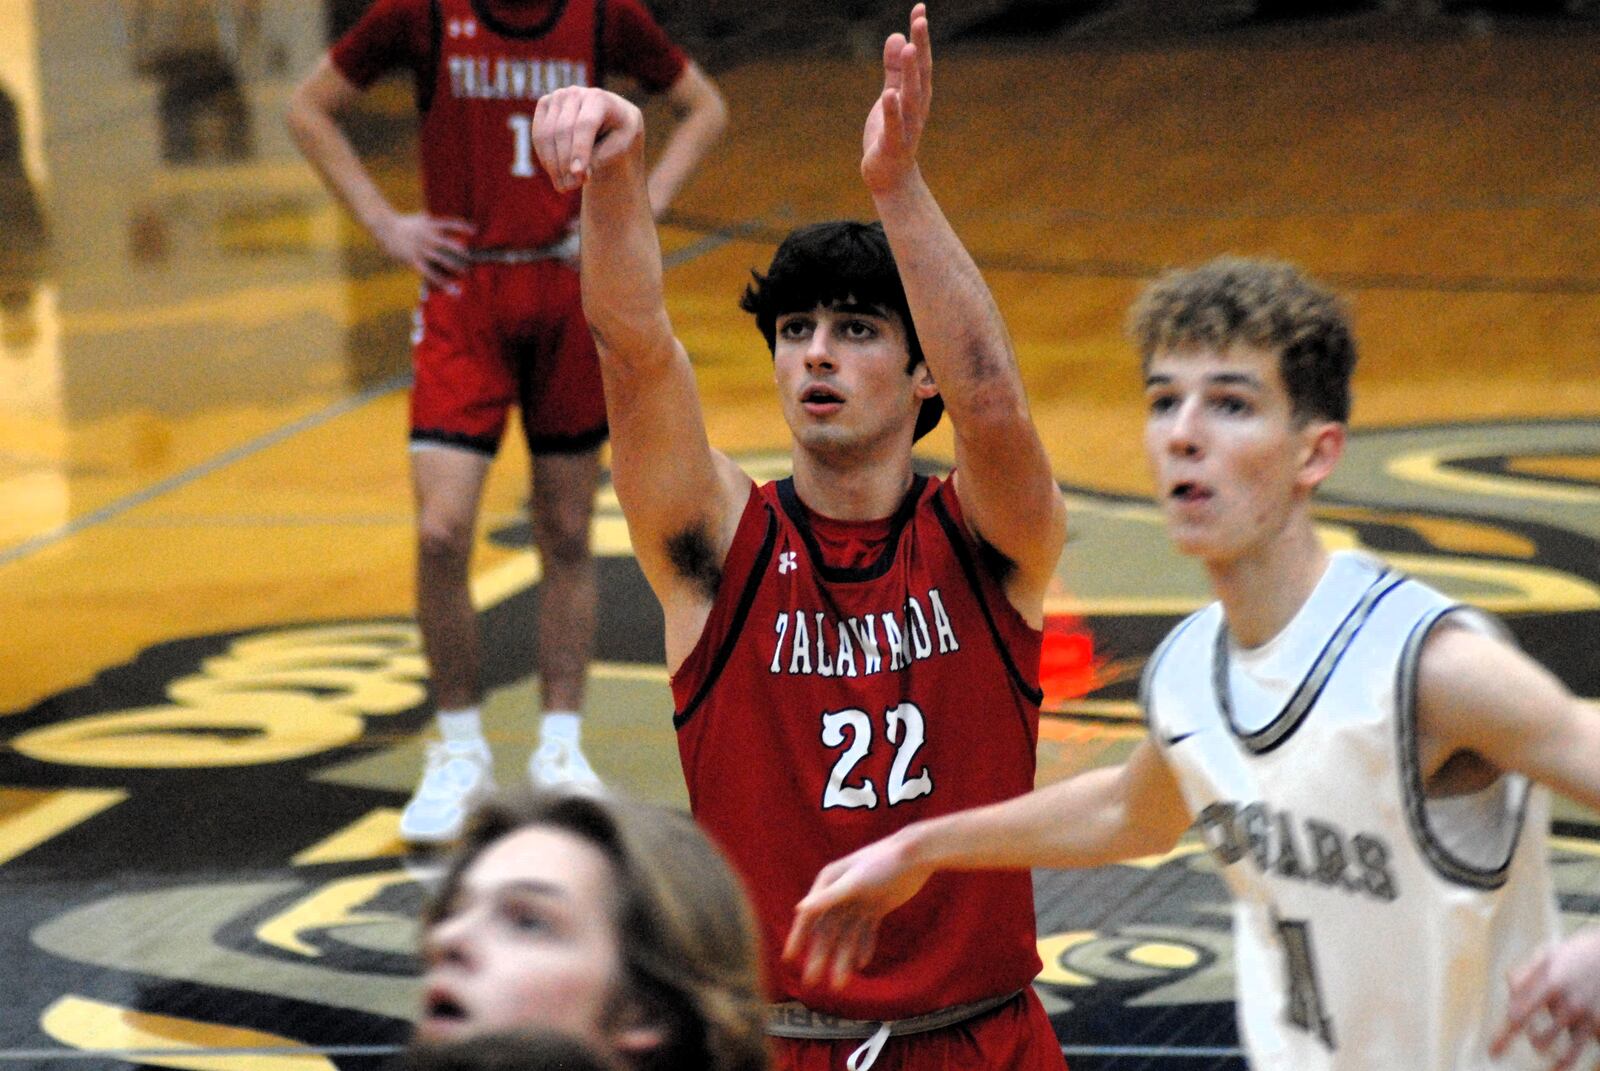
(852, 678)
(477, 130)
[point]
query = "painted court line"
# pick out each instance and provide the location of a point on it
(205, 468)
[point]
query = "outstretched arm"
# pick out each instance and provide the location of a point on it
(1479, 696)
(682, 499)
(1007, 489)
(1103, 816)
(435, 247)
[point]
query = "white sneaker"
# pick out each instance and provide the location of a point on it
(559, 765)
(456, 779)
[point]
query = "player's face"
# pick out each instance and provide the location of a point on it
(842, 380)
(527, 940)
(1230, 463)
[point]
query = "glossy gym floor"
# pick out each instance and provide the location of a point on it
(211, 692)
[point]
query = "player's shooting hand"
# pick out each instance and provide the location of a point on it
(579, 130)
(1555, 1001)
(836, 925)
(436, 247)
(894, 126)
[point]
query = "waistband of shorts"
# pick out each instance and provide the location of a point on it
(791, 1019)
(565, 249)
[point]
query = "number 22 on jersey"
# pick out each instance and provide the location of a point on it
(851, 729)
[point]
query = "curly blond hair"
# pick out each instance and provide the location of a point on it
(1264, 304)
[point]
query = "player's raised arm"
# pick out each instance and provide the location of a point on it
(677, 493)
(1103, 816)
(1003, 475)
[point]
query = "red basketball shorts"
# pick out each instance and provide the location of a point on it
(504, 334)
(1016, 1036)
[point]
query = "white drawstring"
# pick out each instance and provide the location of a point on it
(867, 1055)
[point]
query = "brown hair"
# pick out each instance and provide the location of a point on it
(688, 938)
(1265, 304)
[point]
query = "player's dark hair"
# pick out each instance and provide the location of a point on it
(1265, 304)
(840, 262)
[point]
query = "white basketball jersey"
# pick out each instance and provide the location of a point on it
(1373, 928)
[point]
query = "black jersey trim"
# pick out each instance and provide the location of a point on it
(752, 585)
(1448, 866)
(1147, 699)
(833, 574)
(1282, 726)
(1033, 693)
(599, 78)
(505, 29)
(428, 77)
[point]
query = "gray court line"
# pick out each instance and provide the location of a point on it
(205, 468)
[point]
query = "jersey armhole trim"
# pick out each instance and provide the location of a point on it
(598, 78)
(1414, 791)
(1032, 692)
(747, 598)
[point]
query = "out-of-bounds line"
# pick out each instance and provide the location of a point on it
(1188, 1052)
(205, 468)
(186, 1051)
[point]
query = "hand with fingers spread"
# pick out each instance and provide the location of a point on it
(894, 126)
(835, 927)
(435, 246)
(579, 130)
(1555, 1001)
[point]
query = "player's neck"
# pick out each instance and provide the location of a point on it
(1262, 589)
(850, 492)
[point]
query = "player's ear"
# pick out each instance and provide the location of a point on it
(1321, 447)
(922, 381)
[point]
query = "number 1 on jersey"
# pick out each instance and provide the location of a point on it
(521, 145)
(1305, 1009)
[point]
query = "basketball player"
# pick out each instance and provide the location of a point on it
(1360, 754)
(857, 645)
(500, 322)
(612, 922)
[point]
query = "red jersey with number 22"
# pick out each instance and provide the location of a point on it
(854, 677)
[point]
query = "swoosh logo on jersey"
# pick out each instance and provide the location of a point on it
(1179, 738)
